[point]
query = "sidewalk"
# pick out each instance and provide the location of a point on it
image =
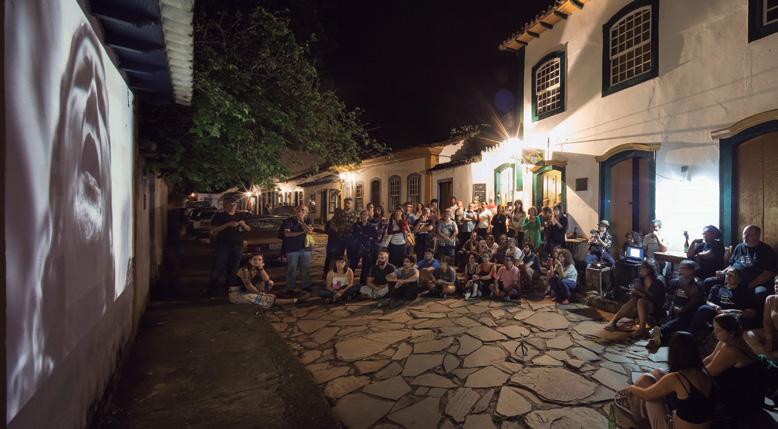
(204, 363)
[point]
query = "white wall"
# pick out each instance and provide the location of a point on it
(404, 168)
(709, 77)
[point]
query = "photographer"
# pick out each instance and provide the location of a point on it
(600, 244)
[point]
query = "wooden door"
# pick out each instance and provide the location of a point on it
(756, 182)
(620, 216)
(445, 192)
(552, 187)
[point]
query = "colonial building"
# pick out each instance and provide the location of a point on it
(644, 109)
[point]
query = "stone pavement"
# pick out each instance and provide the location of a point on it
(455, 363)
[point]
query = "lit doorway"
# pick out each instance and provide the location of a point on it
(504, 184)
(548, 182)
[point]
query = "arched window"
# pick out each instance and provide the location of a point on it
(630, 46)
(394, 193)
(414, 188)
(375, 192)
(359, 197)
(548, 86)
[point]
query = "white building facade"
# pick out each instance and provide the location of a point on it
(650, 109)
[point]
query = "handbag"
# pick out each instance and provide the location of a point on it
(309, 240)
(410, 238)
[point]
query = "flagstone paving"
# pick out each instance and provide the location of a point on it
(453, 363)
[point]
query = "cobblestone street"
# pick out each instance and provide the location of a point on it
(450, 363)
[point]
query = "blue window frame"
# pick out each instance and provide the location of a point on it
(762, 18)
(548, 85)
(630, 53)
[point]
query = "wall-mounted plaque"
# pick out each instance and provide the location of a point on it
(479, 192)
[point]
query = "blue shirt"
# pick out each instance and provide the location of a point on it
(427, 264)
(294, 244)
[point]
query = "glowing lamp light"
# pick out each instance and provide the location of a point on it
(514, 141)
(348, 176)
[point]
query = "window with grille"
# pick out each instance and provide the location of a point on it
(762, 18)
(630, 50)
(334, 201)
(359, 197)
(548, 89)
(375, 192)
(394, 192)
(414, 188)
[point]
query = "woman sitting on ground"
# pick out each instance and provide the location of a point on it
(763, 341)
(469, 247)
(406, 282)
(564, 277)
(647, 299)
(252, 285)
(687, 379)
(737, 371)
(471, 276)
(491, 245)
(484, 277)
(340, 282)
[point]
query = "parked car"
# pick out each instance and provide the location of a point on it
(201, 222)
(284, 211)
(263, 237)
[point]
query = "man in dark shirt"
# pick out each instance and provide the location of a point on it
(298, 250)
(377, 284)
(365, 236)
(688, 296)
(227, 231)
(707, 252)
(555, 230)
(756, 262)
(734, 297)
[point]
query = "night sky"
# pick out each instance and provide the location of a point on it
(420, 68)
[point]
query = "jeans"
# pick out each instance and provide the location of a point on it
(404, 292)
(397, 252)
(224, 258)
(606, 257)
(562, 288)
(298, 260)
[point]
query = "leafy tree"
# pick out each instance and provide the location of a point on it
(256, 96)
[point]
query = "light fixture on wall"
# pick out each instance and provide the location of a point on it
(686, 173)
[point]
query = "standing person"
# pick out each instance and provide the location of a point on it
(340, 282)
(499, 223)
(564, 278)
(395, 238)
(227, 232)
(331, 229)
(707, 252)
(646, 300)
(688, 382)
(377, 283)
(417, 209)
(484, 221)
(366, 237)
(410, 215)
(688, 296)
(350, 217)
(447, 232)
(406, 282)
(298, 248)
(532, 226)
(518, 215)
(422, 231)
(469, 219)
(252, 285)
(379, 221)
(556, 228)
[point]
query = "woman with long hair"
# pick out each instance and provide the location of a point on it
(647, 299)
(532, 226)
(564, 277)
(687, 380)
(396, 230)
(499, 223)
(422, 230)
(340, 282)
(517, 221)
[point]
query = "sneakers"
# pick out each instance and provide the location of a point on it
(656, 338)
(467, 296)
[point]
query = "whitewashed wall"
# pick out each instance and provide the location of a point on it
(709, 77)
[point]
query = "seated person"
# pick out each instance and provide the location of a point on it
(732, 297)
(502, 247)
(763, 341)
(339, 283)
(646, 300)
(487, 270)
(600, 244)
(377, 283)
(688, 296)
(406, 282)
(443, 281)
(469, 247)
(755, 259)
(707, 252)
(654, 242)
(531, 261)
(471, 277)
(632, 239)
(737, 372)
(507, 281)
(426, 266)
(251, 285)
(491, 245)
(513, 251)
(687, 382)
(564, 277)
(551, 259)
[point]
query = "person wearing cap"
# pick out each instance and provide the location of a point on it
(707, 252)
(687, 296)
(600, 244)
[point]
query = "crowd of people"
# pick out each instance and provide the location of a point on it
(483, 250)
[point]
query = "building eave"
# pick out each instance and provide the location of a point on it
(557, 12)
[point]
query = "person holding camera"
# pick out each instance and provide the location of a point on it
(600, 244)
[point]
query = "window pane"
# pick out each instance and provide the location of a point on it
(630, 52)
(547, 83)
